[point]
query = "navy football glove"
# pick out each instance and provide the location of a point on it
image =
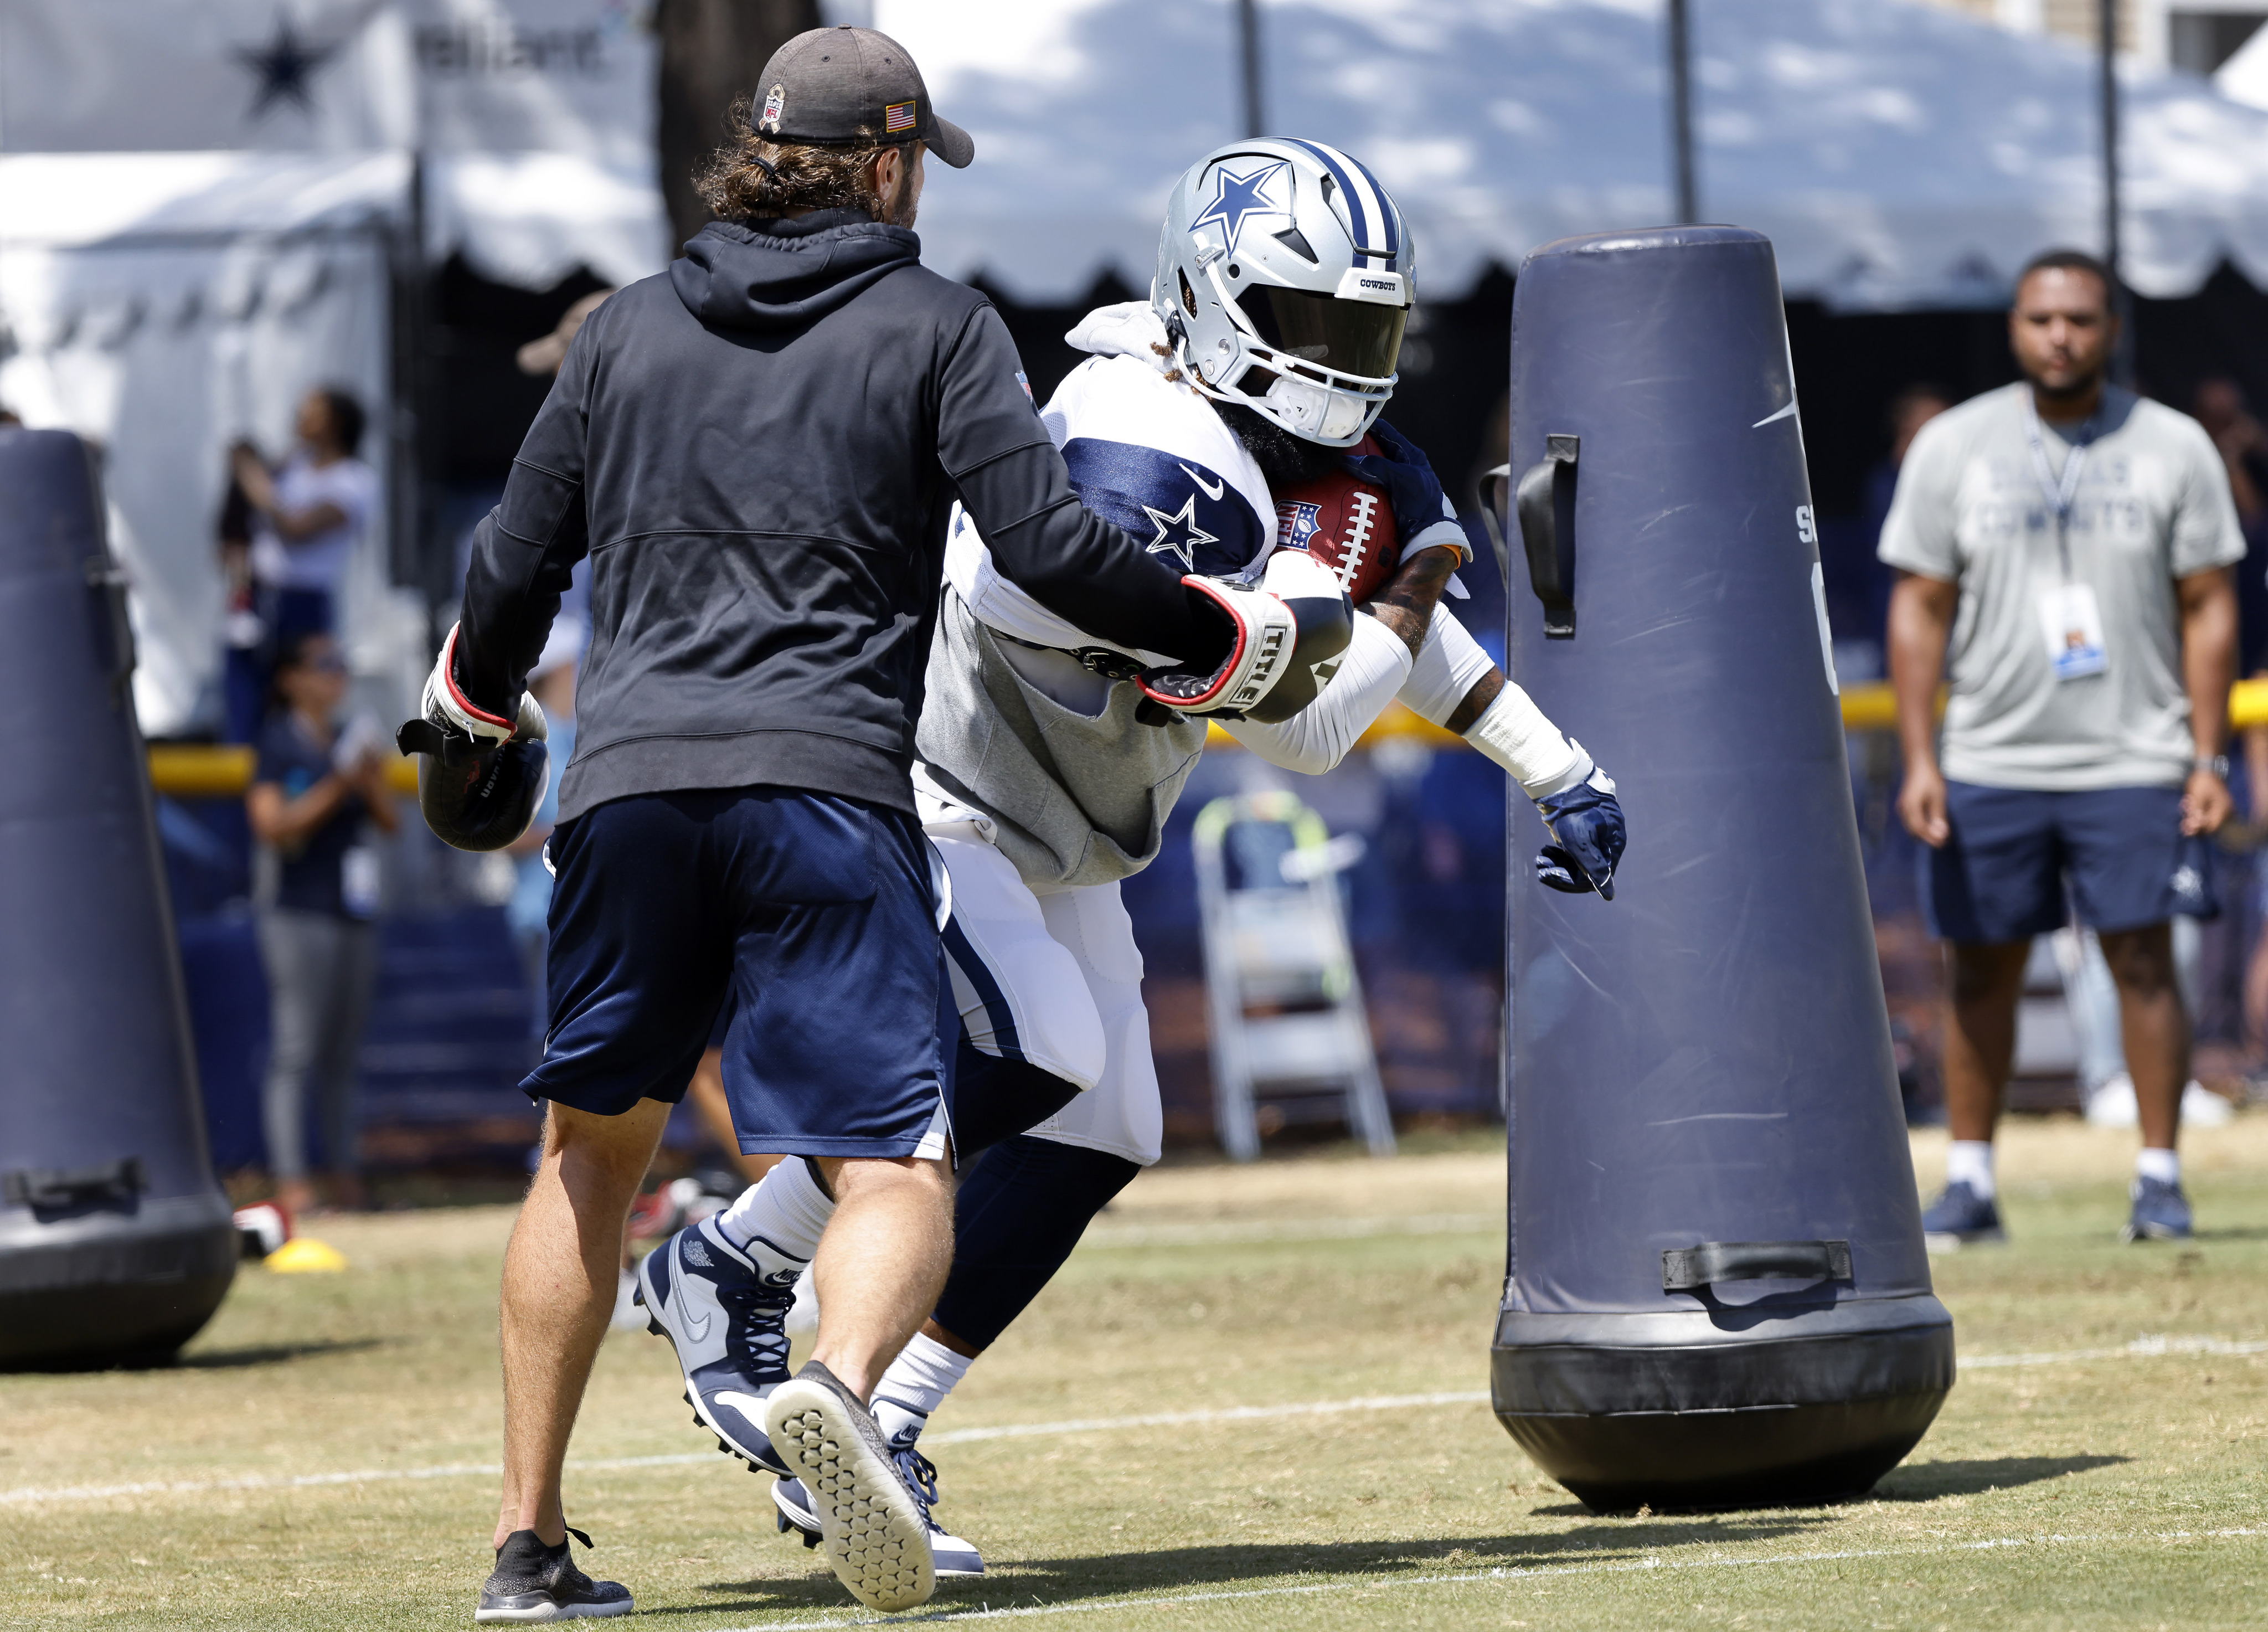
(1411, 485)
(1588, 825)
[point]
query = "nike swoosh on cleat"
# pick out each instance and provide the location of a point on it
(748, 1405)
(1211, 490)
(696, 1333)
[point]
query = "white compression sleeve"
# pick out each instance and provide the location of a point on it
(1317, 737)
(1450, 664)
(1513, 731)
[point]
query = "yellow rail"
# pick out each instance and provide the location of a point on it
(202, 771)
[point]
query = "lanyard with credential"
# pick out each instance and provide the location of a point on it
(2059, 494)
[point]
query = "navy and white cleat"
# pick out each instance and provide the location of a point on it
(724, 1311)
(2162, 1213)
(953, 1555)
(1959, 1217)
(534, 1583)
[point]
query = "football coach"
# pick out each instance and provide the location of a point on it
(757, 451)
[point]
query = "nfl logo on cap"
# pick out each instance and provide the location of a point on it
(775, 99)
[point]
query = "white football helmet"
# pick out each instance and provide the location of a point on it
(1285, 277)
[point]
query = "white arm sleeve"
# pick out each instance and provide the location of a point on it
(1450, 664)
(1511, 731)
(1318, 736)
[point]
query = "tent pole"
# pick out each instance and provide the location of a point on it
(2122, 357)
(1681, 112)
(1247, 42)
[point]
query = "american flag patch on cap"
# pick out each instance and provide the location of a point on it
(897, 118)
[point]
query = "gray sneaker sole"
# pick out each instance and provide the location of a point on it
(520, 1612)
(869, 1527)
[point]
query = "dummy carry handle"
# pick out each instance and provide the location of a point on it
(1546, 507)
(112, 1183)
(1684, 1269)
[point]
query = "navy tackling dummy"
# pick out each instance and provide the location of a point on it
(1046, 776)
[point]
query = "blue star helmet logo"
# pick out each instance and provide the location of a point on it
(285, 67)
(1236, 196)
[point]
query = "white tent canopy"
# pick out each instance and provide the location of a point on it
(165, 305)
(1896, 153)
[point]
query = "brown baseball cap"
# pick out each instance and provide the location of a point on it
(843, 86)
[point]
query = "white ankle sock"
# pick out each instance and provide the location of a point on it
(2165, 1166)
(1969, 1162)
(785, 1209)
(916, 1385)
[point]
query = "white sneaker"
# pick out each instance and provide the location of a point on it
(2113, 1104)
(2201, 1107)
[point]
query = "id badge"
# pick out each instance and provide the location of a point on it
(2072, 625)
(358, 882)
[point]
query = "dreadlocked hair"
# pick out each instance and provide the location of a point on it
(753, 179)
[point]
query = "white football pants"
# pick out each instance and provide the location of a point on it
(1055, 980)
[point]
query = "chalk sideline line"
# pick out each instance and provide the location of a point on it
(2148, 1347)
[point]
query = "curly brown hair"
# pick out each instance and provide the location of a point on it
(752, 179)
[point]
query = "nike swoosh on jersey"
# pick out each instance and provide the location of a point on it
(1211, 490)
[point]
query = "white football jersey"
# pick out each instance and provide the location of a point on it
(1146, 452)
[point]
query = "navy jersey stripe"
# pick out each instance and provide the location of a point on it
(1188, 516)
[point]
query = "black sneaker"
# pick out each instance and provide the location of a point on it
(533, 1581)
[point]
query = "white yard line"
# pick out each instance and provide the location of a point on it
(2148, 1347)
(1473, 1577)
(1233, 1233)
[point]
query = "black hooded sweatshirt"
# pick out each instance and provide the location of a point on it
(757, 450)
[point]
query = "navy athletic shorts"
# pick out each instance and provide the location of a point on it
(810, 915)
(2001, 875)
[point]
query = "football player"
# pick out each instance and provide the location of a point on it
(1047, 771)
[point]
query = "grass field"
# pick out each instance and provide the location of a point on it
(320, 1458)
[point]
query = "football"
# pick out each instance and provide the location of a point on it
(1343, 522)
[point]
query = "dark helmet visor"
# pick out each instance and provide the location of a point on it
(1353, 336)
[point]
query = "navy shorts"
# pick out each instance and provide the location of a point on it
(810, 916)
(2001, 876)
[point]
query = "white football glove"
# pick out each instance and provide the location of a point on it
(1259, 654)
(449, 709)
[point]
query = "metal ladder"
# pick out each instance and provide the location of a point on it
(1276, 940)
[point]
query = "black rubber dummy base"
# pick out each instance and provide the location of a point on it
(1759, 1421)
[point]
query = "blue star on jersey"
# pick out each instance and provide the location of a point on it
(1236, 196)
(1189, 515)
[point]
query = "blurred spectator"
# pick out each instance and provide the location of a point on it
(316, 792)
(2221, 408)
(544, 356)
(286, 536)
(1912, 407)
(529, 911)
(2064, 548)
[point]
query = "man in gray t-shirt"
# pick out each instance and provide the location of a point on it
(2063, 549)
